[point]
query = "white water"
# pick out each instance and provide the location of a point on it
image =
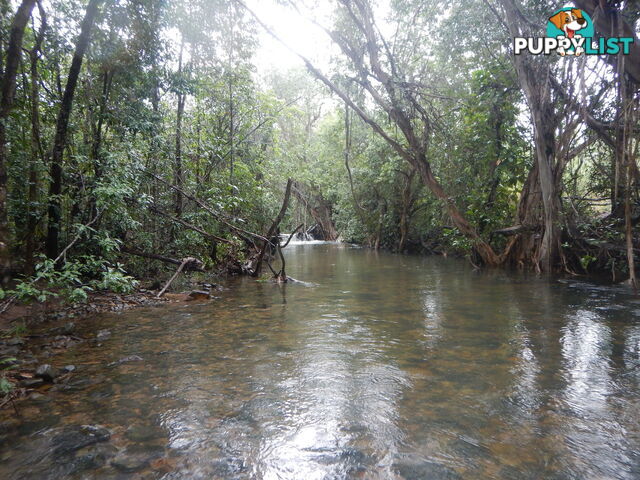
(305, 240)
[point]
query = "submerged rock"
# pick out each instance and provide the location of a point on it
(142, 433)
(130, 358)
(31, 382)
(131, 462)
(76, 437)
(39, 398)
(67, 329)
(418, 470)
(93, 457)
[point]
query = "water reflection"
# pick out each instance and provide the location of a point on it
(381, 366)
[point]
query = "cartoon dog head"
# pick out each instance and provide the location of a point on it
(569, 21)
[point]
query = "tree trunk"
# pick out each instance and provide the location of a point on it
(96, 141)
(7, 95)
(319, 208)
(37, 152)
(534, 78)
(405, 208)
(177, 169)
(545, 157)
(62, 124)
(256, 265)
(524, 246)
(485, 251)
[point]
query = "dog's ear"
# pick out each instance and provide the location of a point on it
(577, 12)
(558, 20)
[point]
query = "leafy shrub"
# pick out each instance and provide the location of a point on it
(6, 386)
(116, 280)
(73, 281)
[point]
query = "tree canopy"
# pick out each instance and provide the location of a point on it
(144, 128)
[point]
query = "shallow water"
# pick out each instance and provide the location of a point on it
(378, 366)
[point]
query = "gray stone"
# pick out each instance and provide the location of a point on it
(31, 382)
(69, 368)
(68, 328)
(47, 372)
(142, 433)
(39, 398)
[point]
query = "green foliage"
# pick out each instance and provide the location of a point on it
(587, 260)
(73, 280)
(116, 280)
(6, 364)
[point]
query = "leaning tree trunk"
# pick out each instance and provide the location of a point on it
(256, 264)
(62, 124)
(485, 251)
(534, 79)
(319, 208)
(7, 95)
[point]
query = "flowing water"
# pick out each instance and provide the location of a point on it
(375, 366)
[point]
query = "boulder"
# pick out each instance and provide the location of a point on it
(75, 437)
(47, 373)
